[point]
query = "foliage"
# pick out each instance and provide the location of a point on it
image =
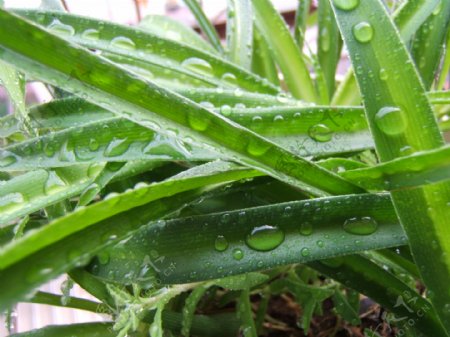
(170, 172)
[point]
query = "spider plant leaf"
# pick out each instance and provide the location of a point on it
(432, 33)
(240, 32)
(103, 329)
(205, 24)
(189, 309)
(402, 95)
(14, 83)
(411, 15)
(138, 45)
(284, 50)
(445, 69)
(329, 44)
(42, 297)
(409, 19)
(301, 232)
(372, 280)
(87, 216)
(301, 16)
(95, 78)
(34, 190)
(262, 62)
(345, 309)
(80, 235)
(415, 170)
(245, 314)
(171, 29)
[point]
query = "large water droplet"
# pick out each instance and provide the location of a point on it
(257, 147)
(363, 32)
(229, 78)
(360, 225)
(221, 243)
(116, 147)
(238, 254)
(305, 252)
(58, 27)
(320, 133)
(198, 122)
(91, 34)
(123, 43)
(306, 228)
(265, 238)
(390, 120)
(346, 5)
(198, 65)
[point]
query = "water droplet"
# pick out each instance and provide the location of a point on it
(265, 238)
(123, 43)
(116, 147)
(320, 244)
(11, 199)
(221, 243)
(225, 110)
(305, 252)
(103, 257)
(306, 228)
(325, 39)
(363, 32)
(257, 147)
(278, 118)
(91, 34)
(229, 78)
(320, 133)
(198, 122)
(238, 92)
(383, 74)
(238, 254)
(346, 5)
(282, 97)
(198, 65)
(390, 120)
(58, 27)
(360, 225)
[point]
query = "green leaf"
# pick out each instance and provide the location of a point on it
(329, 44)
(171, 29)
(242, 282)
(189, 308)
(246, 315)
(240, 32)
(14, 83)
(418, 169)
(402, 121)
(432, 33)
(102, 82)
(262, 62)
(140, 48)
(285, 51)
(219, 247)
(86, 216)
(205, 24)
(74, 330)
(373, 281)
(301, 16)
(345, 309)
(409, 18)
(411, 14)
